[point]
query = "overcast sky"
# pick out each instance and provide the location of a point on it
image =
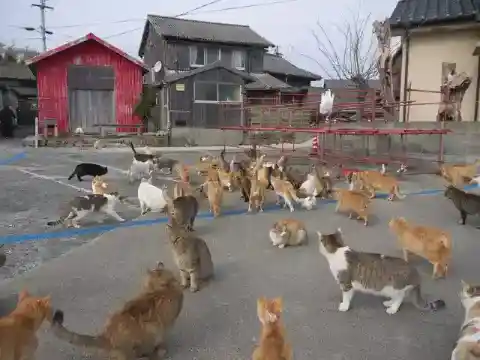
(286, 24)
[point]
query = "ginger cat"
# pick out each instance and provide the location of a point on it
(372, 180)
(433, 244)
(353, 202)
(214, 192)
(182, 172)
(100, 186)
(226, 179)
(258, 186)
(139, 328)
(284, 190)
(272, 344)
(459, 175)
(288, 232)
(18, 340)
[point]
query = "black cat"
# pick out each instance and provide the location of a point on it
(88, 169)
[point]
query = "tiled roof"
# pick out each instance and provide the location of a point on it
(171, 78)
(276, 64)
(206, 31)
(14, 70)
(414, 13)
(266, 82)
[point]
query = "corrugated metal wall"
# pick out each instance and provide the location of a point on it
(52, 83)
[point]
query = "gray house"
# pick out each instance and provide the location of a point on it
(208, 69)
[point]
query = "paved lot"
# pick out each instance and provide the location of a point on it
(220, 322)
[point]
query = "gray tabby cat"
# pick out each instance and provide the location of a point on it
(81, 206)
(192, 257)
(468, 346)
(371, 273)
(182, 211)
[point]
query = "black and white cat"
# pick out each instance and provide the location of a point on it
(81, 206)
(374, 274)
(88, 169)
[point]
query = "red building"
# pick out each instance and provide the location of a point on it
(87, 82)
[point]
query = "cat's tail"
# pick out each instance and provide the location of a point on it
(133, 148)
(63, 333)
(398, 194)
(73, 174)
(423, 305)
(57, 222)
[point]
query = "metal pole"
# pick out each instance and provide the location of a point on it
(43, 30)
(36, 132)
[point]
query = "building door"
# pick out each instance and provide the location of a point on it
(91, 97)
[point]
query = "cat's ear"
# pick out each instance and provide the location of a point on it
(22, 295)
(277, 305)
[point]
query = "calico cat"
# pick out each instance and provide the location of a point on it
(433, 244)
(375, 274)
(288, 232)
(466, 203)
(81, 206)
(372, 180)
(182, 211)
(191, 255)
(138, 329)
(353, 202)
(151, 198)
(18, 330)
(272, 344)
(468, 346)
(88, 169)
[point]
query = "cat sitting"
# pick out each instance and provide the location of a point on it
(288, 232)
(139, 328)
(151, 198)
(371, 273)
(81, 206)
(88, 169)
(139, 170)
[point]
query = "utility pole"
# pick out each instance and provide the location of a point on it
(42, 29)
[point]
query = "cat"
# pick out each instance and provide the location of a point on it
(272, 344)
(138, 329)
(241, 179)
(182, 188)
(182, 211)
(191, 255)
(88, 169)
(139, 170)
(375, 274)
(288, 232)
(458, 175)
(466, 203)
(166, 165)
(100, 186)
(81, 206)
(285, 191)
(316, 183)
(141, 157)
(433, 244)
(3, 257)
(182, 172)
(18, 329)
(353, 202)
(151, 198)
(223, 164)
(372, 180)
(468, 347)
(258, 187)
(226, 179)
(214, 192)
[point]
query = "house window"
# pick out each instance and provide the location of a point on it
(217, 92)
(238, 59)
(198, 56)
(213, 55)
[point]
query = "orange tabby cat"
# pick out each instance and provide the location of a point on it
(284, 190)
(258, 186)
(100, 186)
(214, 192)
(18, 340)
(353, 201)
(272, 345)
(431, 243)
(459, 175)
(372, 180)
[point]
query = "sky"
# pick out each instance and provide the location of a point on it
(288, 24)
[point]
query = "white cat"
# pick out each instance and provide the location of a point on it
(308, 186)
(139, 169)
(151, 198)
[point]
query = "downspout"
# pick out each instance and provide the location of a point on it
(405, 77)
(477, 91)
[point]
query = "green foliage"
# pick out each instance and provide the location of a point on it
(147, 101)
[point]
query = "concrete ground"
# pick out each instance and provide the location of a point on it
(220, 322)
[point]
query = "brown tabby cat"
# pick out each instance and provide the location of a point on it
(433, 244)
(18, 339)
(288, 232)
(192, 256)
(372, 180)
(468, 346)
(272, 345)
(353, 202)
(182, 211)
(139, 328)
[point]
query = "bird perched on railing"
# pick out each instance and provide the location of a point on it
(326, 104)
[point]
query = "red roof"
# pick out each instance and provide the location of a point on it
(81, 40)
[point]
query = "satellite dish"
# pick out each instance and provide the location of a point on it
(158, 66)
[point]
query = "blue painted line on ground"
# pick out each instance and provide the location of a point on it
(11, 239)
(13, 158)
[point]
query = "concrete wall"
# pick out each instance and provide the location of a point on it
(205, 137)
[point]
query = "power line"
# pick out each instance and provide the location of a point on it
(41, 29)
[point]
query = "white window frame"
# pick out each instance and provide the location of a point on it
(205, 55)
(243, 54)
(218, 93)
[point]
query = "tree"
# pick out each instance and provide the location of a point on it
(352, 57)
